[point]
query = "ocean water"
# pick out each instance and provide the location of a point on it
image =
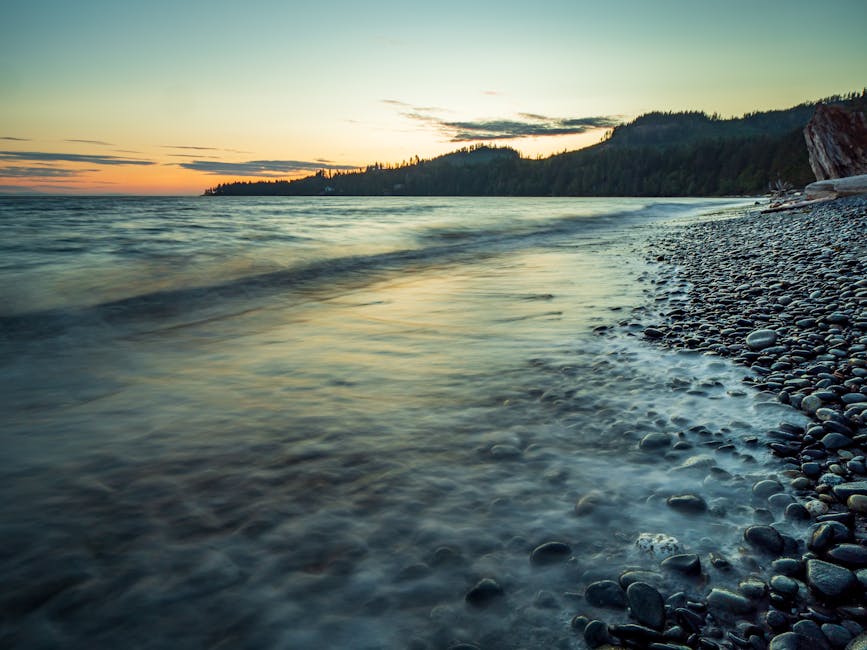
(318, 422)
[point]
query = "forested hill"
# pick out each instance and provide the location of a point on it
(657, 154)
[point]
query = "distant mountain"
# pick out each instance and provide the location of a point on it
(657, 154)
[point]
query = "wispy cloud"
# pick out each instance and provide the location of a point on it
(523, 125)
(14, 139)
(267, 168)
(22, 171)
(99, 142)
(45, 156)
(189, 147)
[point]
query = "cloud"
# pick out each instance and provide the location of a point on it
(99, 142)
(268, 168)
(44, 156)
(40, 172)
(184, 146)
(13, 139)
(524, 125)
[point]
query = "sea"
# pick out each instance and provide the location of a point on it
(318, 422)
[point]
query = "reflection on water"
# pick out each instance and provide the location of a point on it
(334, 460)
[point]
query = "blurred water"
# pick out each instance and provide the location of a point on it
(285, 423)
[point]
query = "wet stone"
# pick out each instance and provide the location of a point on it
(829, 580)
(764, 489)
(596, 634)
(686, 563)
(837, 635)
(653, 441)
(729, 602)
(761, 339)
(835, 440)
(646, 604)
(605, 593)
(551, 552)
(850, 555)
(753, 588)
(484, 592)
(811, 630)
(845, 490)
(687, 503)
(784, 585)
(857, 503)
(765, 538)
(791, 641)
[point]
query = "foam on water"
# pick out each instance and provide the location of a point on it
(336, 464)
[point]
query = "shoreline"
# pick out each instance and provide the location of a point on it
(783, 294)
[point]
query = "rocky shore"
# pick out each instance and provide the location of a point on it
(786, 296)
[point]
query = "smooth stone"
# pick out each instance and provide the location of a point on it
(791, 641)
(845, 490)
(765, 538)
(811, 403)
(686, 563)
(637, 575)
(837, 635)
(829, 580)
(588, 503)
(596, 634)
(551, 552)
(761, 339)
(784, 585)
(729, 601)
(753, 588)
(835, 440)
(764, 489)
(484, 591)
(857, 503)
(850, 555)
(811, 630)
(687, 503)
(797, 512)
(788, 566)
(605, 593)
(646, 604)
(653, 441)
(861, 575)
(831, 479)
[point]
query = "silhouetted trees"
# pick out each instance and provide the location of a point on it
(657, 154)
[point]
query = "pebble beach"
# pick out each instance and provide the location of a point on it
(783, 295)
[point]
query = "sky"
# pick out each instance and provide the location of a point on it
(156, 97)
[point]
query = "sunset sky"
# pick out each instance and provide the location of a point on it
(157, 97)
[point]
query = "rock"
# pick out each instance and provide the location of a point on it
(637, 575)
(833, 188)
(850, 555)
(655, 441)
(646, 604)
(844, 490)
(687, 503)
(653, 333)
(765, 538)
(784, 585)
(836, 142)
(761, 339)
(834, 441)
(791, 641)
(587, 503)
(485, 591)
(816, 507)
(729, 602)
(688, 564)
(857, 503)
(828, 579)
(596, 634)
(753, 588)
(837, 635)
(605, 593)
(764, 489)
(858, 643)
(551, 552)
(658, 545)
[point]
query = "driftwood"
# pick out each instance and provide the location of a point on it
(836, 142)
(832, 188)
